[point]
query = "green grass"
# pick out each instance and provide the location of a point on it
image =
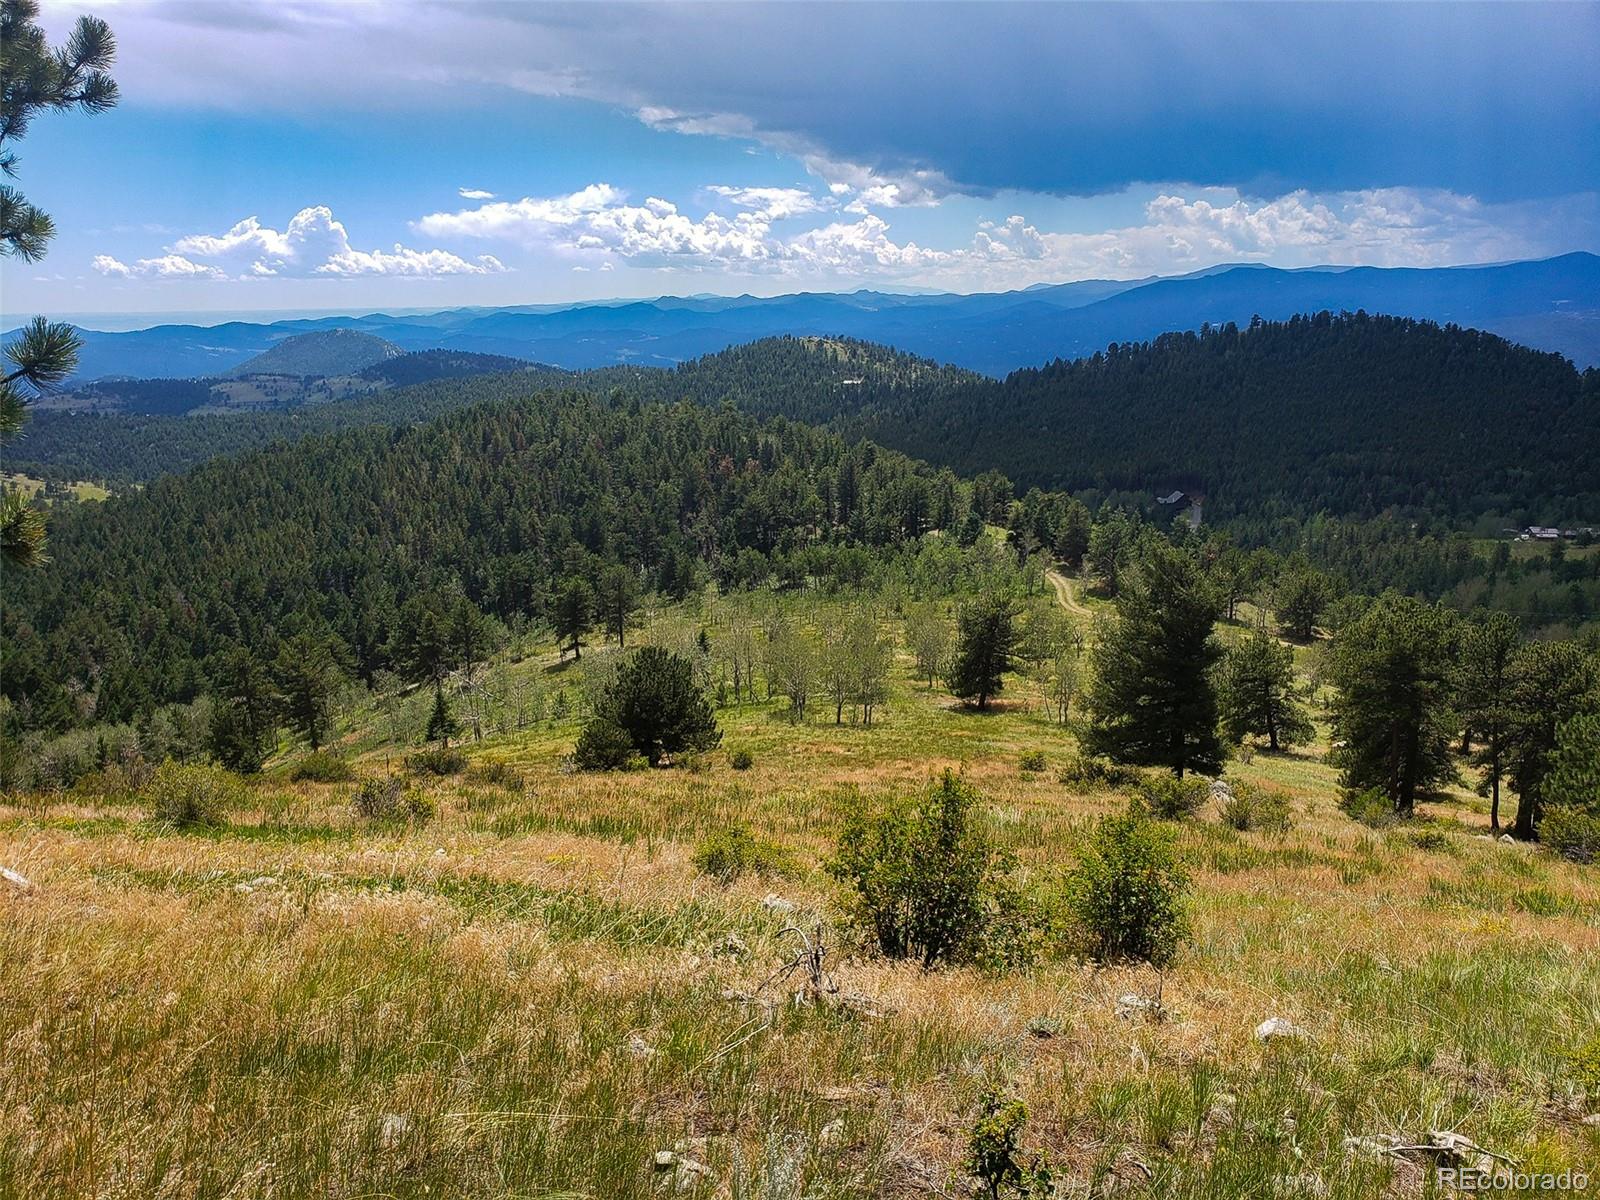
(535, 992)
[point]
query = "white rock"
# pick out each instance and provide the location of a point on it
(17, 880)
(1592, 1119)
(831, 1134)
(261, 881)
(1507, 840)
(665, 1159)
(773, 902)
(640, 1048)
(244, 889)
(1278, 1027)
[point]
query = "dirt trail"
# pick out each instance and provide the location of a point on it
(1063, 587)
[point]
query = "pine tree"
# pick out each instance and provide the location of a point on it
(1392, 713)
(1257, 694)
(574, 606)
(1112, 545)
(1549, 684)
(442, 725)
(1072, 536)
(1299, 599)
(242, 723)
(1488, 645)
(33, 79)
(617, 600)
(1151, 697)
(654, 700)
(986, 638)
(308, 676)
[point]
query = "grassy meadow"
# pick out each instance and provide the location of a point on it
(536, 992)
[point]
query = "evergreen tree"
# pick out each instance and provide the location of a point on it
(1151, 697)
(985, 641)
(1299, 600)
(1574, 778)
(1392, 713)
(469, 637)
(1488, 645)
(33, 79)
(1111, 547)
(308, 677)
(442, 725)
(1072, 536)
(1257, 694)
(1550, 683)
(242, 723)
(618, 598)
(574, 606)
(654, 700)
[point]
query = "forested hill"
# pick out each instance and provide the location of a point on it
(1350, 415)
(361, 539)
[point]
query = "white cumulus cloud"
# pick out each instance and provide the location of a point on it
(313, 244)
(474, 194)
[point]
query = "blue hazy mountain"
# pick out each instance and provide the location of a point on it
(1550, 304)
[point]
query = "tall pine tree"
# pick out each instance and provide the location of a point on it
(1151, 698)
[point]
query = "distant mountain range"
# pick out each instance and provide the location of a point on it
(1551, 304)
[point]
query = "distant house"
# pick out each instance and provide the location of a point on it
(852, 382)
(1543, 533)
(1172, 498)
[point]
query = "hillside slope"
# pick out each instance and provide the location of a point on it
(326, 352)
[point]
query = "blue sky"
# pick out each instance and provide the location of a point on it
(352, 154)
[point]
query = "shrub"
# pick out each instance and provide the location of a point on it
(992, 1152)
(389, 799)
(321, 767)
(1571, 833)
(603, 746)
(1428, 839)
(1252, 806)
(437, 760)
(1371, 806)
(1585, 1062)
(923, 877)
(741, 759)
(1171, 798)
(726, 854)
(192, 795)
(1033, 760)
(1126, 896)
(1082, 770)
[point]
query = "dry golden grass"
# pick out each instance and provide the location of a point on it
(525, 996)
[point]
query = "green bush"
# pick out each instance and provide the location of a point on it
(389, 799)
(437, 760)
(923, 877)
(1126, 896)
(603, 746)
(741, 759)
(1101, 774)
(321, 767)
(1032, 761)
(1585, 1062)
(1170, 798)
(992, 1152)
(726, 854)
(1371, 806)
(1571, 833)
(1253, 806)
(192, 795)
